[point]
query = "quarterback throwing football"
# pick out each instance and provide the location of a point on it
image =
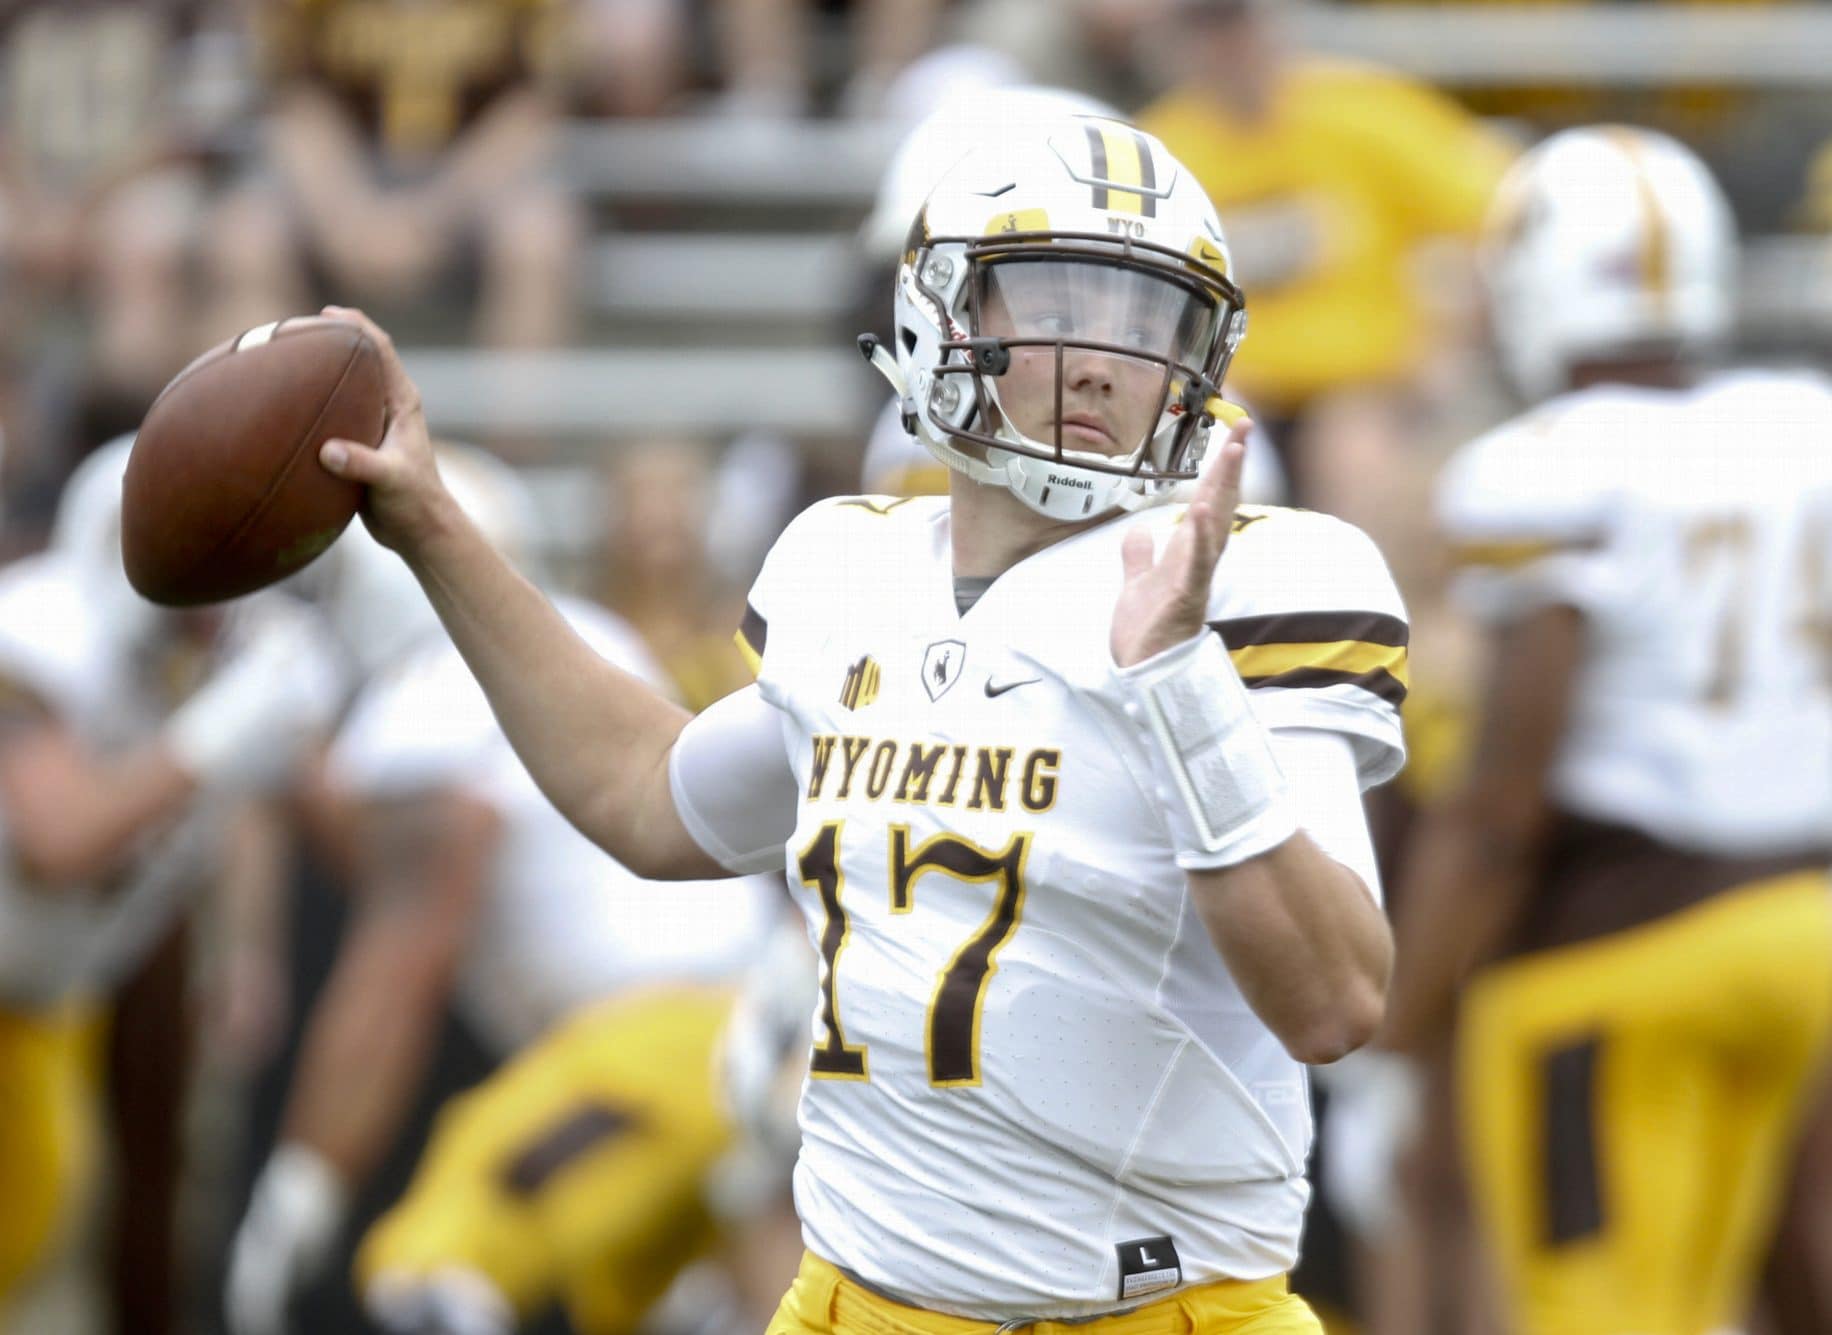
(1070, 798)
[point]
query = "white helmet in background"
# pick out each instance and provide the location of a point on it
(1095, 217)
(373, 599)
(1604, 241)
(86, 533)
(947, 135)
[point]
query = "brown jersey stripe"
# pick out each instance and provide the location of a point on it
(750, 636)
(1573, 1186)
(1312, 628)
(1379, 682)
(561, 1144)
(754, 630)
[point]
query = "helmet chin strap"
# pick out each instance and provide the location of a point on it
(879, 356)
(1071, 494)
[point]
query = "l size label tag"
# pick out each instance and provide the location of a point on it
(1148, 1265)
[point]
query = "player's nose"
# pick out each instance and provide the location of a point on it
(1086, 370)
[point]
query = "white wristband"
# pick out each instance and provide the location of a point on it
(1224, 796)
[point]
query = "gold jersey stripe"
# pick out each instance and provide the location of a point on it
(1354, 657)
(752, 659)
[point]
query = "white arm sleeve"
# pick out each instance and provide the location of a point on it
(732, 783)
(1320, 768)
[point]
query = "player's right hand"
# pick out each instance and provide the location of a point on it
(407, 503)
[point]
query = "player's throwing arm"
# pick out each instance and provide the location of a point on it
(595, 738)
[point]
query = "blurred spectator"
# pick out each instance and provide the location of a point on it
(101, 199)
(409, 148)
(629, 57)
(1328, 176)
(1693, 110)
(657, 572)
(1095, 46)
(767, 50)
(1815, 210)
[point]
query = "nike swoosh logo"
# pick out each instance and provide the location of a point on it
(994, 692)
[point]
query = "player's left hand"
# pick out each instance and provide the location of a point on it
(1165, 596)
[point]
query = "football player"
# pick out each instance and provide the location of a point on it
(1636, 861)
(573, 1174)
(1071, 798)
(129, 736)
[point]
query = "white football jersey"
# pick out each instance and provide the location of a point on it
(563, 923)
(71, 942)
(1691, 529)
(1031, 1065)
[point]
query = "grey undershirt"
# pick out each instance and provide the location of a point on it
(969, 589)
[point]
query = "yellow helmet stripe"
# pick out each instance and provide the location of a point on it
(1656, 235)
(1121, 157)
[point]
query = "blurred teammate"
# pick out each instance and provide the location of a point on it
(1638, 857)
(574, 1174)
(128, 735)
(1067, 873)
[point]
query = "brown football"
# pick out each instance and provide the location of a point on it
(224, 493)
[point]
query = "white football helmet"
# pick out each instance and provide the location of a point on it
(1088, 243)
(947, 135)
(370, 596)
(1605, 241)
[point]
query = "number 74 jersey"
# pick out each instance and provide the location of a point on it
(1691, 528)
(1029, 1061)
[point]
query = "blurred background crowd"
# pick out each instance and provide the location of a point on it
(626, 247)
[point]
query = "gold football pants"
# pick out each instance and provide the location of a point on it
(1630, 1103)
(822, 1301)
(49, 1089)
(573, 1174)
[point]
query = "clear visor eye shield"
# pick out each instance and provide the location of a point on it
(1077, 349)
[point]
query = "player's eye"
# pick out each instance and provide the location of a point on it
(1053, 324)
